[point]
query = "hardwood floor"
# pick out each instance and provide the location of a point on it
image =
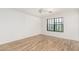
(41, 43)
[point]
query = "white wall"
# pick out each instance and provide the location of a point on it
(71, 25)
(15, 25)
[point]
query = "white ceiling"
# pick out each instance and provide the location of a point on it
(36, 11)
(31, 11)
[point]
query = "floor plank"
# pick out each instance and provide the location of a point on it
(41, 43)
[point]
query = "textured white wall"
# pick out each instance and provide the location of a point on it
(15, 25)
(71, 25)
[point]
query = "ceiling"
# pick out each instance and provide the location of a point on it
(42, 11)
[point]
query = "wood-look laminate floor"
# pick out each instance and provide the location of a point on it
(41, 43)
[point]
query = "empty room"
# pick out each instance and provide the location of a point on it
(39, 29)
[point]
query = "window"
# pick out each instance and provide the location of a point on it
(55, 24)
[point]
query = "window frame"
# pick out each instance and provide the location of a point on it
(55, 24)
